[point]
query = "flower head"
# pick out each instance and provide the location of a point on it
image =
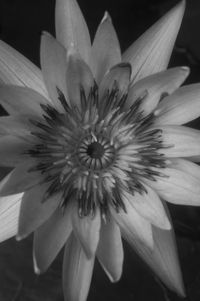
(97, 146)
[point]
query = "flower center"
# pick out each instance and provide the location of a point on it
(95, 153)
(95, 150)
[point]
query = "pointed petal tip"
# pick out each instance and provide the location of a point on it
(116, 278)
(36, 269)
(182, 4)
(166, 225)
(152, 51)
(185, 68)
(46, 33)
(185, 71)
(177, 11)
(182, 292)
(179, 288)
(106, 17)
(18, 237)
(71, 27)
(179, 7)
(111, 278)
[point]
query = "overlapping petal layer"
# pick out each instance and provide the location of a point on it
(20, 100)
(35, 210)
(12, 150)
(180, 107)
(162, 259)
(71, 28)
(77, 271)
(15, 69)
(157, 86)
(50, 237)
(105, 52)
(53, 63)
(151, 52)
(134, 225)
(9, 215)
(110, 250)
(177, 186)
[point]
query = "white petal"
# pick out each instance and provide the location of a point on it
(180, 107)
(177, 186)
(17, 70)
(9, 215)
(110, 250)
(79, 77)
(133, 224)
(105, 48)
(21, 100)
(157, 85)
(35, 210)
(50, 237)
(71, 27)
(11, 150)
(54, 65)
(19, 180)
(17, 125)
(118, 77)
(151, 52)
(180, 141)
(186, 166)
(87, 230)
(163, 259)
(149, 205)
(77, 271)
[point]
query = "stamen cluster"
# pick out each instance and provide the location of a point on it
(95, 152)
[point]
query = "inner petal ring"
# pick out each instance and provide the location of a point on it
(95, 153)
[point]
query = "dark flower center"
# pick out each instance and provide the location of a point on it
(95, 150)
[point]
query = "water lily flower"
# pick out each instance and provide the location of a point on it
(97, 143)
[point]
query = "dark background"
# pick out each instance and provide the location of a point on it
(21, 23)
